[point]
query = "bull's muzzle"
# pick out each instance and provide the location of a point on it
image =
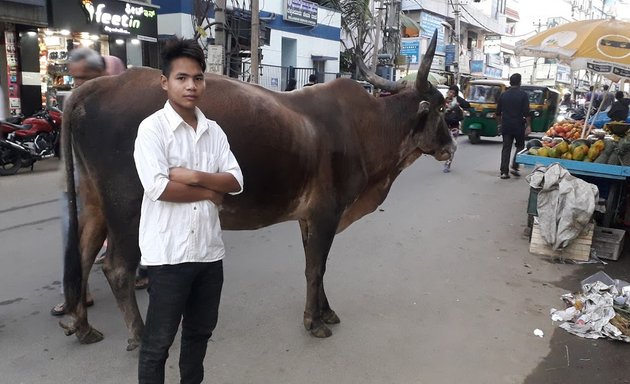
(446, 152)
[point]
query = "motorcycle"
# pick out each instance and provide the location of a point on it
(36, 138)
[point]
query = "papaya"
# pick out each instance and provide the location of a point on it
(544, 152)
(567, 156)
(599, 144)
(578, 153)
(533, 151)
(553, 152)
(563, 147)
(592, 153)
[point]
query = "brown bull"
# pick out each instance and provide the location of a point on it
(324, 156)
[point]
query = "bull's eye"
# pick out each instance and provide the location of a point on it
(442, 109)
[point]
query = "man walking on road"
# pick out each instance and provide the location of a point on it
(513, 115)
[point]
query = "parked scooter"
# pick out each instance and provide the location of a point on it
(36, 138)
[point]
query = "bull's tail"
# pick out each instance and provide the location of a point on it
(72, 272)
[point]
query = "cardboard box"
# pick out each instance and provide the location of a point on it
(579, 249)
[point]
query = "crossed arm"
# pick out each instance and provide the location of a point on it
(186, 185)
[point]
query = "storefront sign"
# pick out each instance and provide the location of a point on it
(429, 23)
(410, 47)
(493, 72)
(450, 54)
(301, 11)
(476, 67)
(110, 17)
(563, 74)
(118, 17)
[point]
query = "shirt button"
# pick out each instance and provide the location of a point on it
(192, 231)
(194, 208)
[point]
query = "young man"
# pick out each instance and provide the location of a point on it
(513, 114)
(185, 165)
(455, 106)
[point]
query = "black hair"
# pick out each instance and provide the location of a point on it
(619, 95)
(454, 88)
(605, 87)
(312, 78)
(515, 79)
(178, 48)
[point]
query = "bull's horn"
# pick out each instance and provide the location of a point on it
(422, 78)
(376, 80)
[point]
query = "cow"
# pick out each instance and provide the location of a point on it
(325, 156)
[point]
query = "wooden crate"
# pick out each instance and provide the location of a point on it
(608, 242)
(578, 250)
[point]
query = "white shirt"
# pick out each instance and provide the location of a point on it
(174, 233)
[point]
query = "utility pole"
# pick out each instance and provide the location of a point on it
(458, 32)
(533, 78)
(377, 39)
(219, 29)
(255, 41)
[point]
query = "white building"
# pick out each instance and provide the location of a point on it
(302, 35)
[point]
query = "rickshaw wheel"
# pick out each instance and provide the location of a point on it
(474, 136)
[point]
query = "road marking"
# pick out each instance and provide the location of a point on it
(27, 205)
(31, 223)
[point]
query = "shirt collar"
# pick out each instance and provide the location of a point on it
(175, 120)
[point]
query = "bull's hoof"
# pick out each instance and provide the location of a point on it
(68, 329)
(90, 336)
(330, 317)
(132, 344)
(321, 331)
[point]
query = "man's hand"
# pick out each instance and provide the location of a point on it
(215, 197)
(528, 129)
(184, 176)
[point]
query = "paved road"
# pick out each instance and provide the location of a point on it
(437, 286)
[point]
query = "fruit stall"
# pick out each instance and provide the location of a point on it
(602, 158)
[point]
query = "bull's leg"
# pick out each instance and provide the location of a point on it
(317, 237)
(120, 268)
(92, 235)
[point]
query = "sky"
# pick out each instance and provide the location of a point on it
(530, 11)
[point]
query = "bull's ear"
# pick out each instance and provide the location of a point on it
(423, 108)
(422, 77)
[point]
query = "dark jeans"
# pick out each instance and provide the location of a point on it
(190, 291)
(508, 139)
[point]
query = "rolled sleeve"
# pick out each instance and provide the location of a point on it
(151, 163)
(229, 164)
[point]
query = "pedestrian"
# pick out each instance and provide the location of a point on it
(185, 166)
(84, 64)
(312, 80)
(619, 109)
(291, 84)
(453, 115)
(513, 115)
(605, 99)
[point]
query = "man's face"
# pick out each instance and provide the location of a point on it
(185, 84)
(81, 73)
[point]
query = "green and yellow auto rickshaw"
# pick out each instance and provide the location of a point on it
(543, 105)
(480, 119)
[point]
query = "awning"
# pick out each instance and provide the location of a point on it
(323, 58)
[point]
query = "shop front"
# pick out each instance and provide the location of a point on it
(125, 29)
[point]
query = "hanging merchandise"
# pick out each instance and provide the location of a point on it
(13, 80)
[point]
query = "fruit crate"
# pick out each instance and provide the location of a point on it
(609, 171)
(608, 242)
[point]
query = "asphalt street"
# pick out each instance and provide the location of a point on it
(436, 286)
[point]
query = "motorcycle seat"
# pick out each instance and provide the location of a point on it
(17, 126)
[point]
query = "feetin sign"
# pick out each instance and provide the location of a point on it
(113, 19)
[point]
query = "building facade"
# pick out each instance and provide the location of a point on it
(299, 37)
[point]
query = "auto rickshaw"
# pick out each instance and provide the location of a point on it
(543, 105)
(480, 119)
